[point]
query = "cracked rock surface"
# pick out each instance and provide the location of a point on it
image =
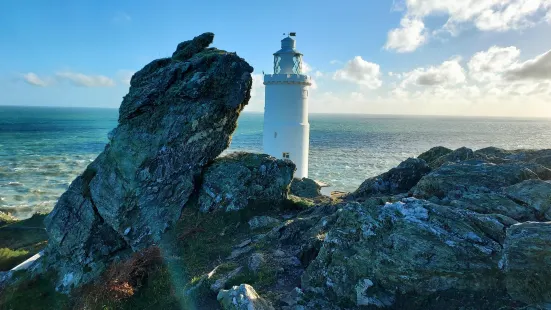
(177, 117)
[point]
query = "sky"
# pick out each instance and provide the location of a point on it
(420, 57)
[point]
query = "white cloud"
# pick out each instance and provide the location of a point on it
(125, 76)
(256, 103)
(80, 79)
(448, 73)
(306, 68)
(487, 66)
(484, 15)
(497, 83)
(335, 62)
(361, 72)
(408, 38)
(33, 79)
(538, 68)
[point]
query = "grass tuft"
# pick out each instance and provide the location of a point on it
(10, 258)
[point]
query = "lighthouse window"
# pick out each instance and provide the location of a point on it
(285, 155)
(275, 135)
(297, 67)
(277, 66)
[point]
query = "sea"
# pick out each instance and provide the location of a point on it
(42, 149)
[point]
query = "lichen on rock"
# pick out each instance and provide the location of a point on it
(242, 297)
(237, 179)
(526, 255)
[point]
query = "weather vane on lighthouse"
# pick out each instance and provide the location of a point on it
(286, 127)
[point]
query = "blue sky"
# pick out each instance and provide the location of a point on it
(397, 57)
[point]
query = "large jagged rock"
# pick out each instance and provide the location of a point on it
(534, 194)
(242, 297)
(376, 256)
(177, 117)
(434, 153)
(305, 188)
(453, 180)
(397, 180)
(461, 154)
(234, 181)
(527, 262)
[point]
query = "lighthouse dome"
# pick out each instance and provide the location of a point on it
(288, 46)
(288, 43)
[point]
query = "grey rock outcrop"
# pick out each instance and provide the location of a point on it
(371, 255)
(461, 154)
(534, 194)
(434, 153)
(498, 155)
(527, 261)
(177, 117)
(262, 221)
(242, 297)
(397, 180)
(305, 188)
(494, 203)
(453, 180)
(234, 181)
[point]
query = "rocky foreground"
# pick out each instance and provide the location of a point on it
(159, 220)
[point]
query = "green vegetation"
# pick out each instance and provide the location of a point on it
(207, 239)
(10, 258)
(6, 219)
(155, 292)
(20, 240)
(33, 293)
(298, 203)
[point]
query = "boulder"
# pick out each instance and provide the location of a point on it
(305, 188)
(242, 297)
(453, 180)
(262, 221)
(434, 153)
(374, 256)
(458, 155)
(497, 155)
(235, 180)
(397, 180)
(544, 161)
(527, 262)
(177, 117)
(494, 203)
(534, 194)
(255, 262)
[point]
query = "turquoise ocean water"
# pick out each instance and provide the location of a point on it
(43, 149)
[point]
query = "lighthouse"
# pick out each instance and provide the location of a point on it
(286, 127)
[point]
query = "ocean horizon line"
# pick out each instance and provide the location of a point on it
(381, 115)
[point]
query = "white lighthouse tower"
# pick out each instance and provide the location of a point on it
(286, 127)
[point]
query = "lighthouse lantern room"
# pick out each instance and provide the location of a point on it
(286, 127)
